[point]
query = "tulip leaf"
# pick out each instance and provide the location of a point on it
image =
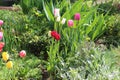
(48, 11)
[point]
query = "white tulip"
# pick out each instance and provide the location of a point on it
(63, 21)
(49, 33)
(58, 19)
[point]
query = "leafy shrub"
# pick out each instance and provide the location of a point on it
(28, 4)
(89, 62)
(13, 27)
(111, 36)
(111, 6)
(35, 38)
(25, 31)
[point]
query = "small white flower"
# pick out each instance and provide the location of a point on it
(49, 33)
(56, 12)
(58, 19)
(63, 21)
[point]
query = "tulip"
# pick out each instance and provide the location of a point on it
(58, 19)
(63, 21)
(55, 35)
(56, 12)
(1, 49)
(1, 46)
(9, 64)
(77, 16)
(5, 56)
(70, 23)
(1, 22)
(49, 33)
(1, 35)
(22, 53)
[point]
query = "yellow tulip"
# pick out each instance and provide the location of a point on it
(9, 64)
(5, 56)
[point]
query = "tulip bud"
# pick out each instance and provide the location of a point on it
(1, 22)
(70, 23)
(77, 16)
(56, 12)
(22, 53)
(9, 64)
(63, 21)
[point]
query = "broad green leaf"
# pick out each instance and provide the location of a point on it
(75, 8)
(89, 28)
(99, 28)
(48, 13)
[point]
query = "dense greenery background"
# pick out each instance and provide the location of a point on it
(87, 51)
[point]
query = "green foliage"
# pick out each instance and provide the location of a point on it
(12, 28)
(111, 35)
(52, 54)
(26, 68)
(88, 22)
(91, 24)
(35, 39)
(75, 56)
(28, 4)
(89, 62)
(25, 31)
(112, 6)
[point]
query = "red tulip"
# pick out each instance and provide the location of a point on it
(55, 35)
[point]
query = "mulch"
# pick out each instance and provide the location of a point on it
(10, 8)
(6, 8)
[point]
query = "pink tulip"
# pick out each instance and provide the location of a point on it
(22, 53)
(56, 12)
(1, 22)
(70, 23)
(77, 16)
(1, 35)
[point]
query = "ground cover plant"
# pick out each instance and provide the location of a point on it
(61, 40)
